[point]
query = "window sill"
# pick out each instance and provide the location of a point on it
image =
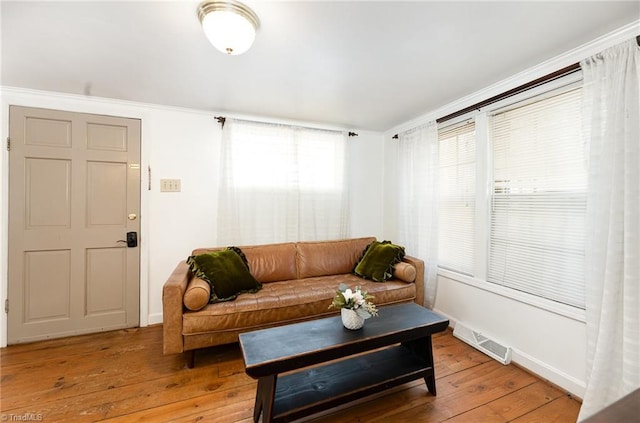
(541, 303)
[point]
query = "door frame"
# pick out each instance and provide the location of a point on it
(78, 104)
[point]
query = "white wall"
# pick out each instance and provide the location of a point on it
(550, 343)
(182, 144)
(366, 177)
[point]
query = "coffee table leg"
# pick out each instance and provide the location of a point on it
(264, 398)
(431, 379)
(423, 348)
(257, 407)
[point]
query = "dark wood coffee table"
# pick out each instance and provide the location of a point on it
(400, 336)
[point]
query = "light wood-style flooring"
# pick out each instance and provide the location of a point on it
(122, 376)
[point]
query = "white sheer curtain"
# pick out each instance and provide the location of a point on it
(418, 200)
(612, 278)
(281, 183)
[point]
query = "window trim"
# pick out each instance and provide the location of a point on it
(565, 310)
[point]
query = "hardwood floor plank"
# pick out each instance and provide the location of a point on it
(123, 376)
(560, 410)
(215, 406)
(412, 398)
(455, 356)
(483, 414)
(479, 385)
(79, 345)
(525, 400)
(128, 398)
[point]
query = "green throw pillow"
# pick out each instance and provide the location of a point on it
(378, 260)
(226, 271)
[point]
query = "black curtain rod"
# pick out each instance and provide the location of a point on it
(517, 90)
(510, 93)
(221, 120)
(514, 91)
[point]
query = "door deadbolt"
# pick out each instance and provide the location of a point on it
(132, 216)
(132, 239)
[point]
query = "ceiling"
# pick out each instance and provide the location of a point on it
(353, 64)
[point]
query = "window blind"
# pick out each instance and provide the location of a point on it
(538, 202)
(456, 214)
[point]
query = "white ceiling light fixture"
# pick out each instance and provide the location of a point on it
(229, 25)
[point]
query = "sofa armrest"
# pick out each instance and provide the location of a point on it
(172, 308)
(419, 265)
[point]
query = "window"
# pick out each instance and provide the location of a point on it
(513, 197)
(281, 183)
(538, 202)
(278, 156)
(456, 214)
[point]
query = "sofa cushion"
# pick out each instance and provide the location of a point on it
(226, 271)
(197, 294)
(329, 257)
(378, 260)
(289, 302)
(267, 263)
(271, 263)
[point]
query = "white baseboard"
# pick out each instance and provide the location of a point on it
(155, 318)
(572, 385)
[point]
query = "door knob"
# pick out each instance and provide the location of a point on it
(132, 216)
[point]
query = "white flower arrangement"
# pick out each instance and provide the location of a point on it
(356, 300)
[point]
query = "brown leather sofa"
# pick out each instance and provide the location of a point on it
(299, 281)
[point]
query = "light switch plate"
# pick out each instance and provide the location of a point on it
(169, 185)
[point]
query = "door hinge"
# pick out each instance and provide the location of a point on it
(6, 306)
(8, 144)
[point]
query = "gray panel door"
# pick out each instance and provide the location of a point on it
(74, 193)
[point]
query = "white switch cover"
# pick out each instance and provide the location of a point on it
(169, 185)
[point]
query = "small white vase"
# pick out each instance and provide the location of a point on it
(351, 319)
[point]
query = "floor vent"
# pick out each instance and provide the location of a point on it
(488, 346)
